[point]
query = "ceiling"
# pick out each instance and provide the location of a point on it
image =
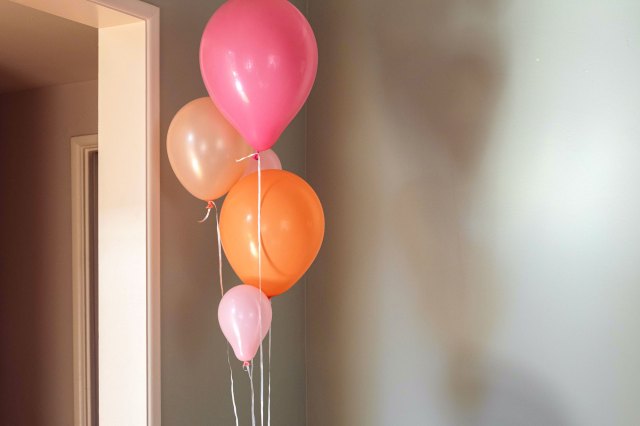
(38, 49)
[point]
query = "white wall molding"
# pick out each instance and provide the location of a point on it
(81, 149)
(129, 219)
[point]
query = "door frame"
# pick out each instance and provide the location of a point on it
(128, 205)
(81, 272)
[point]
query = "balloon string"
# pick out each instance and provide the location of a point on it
(256, 155)
(260, 285)
(212, 205)
(219, 248)
(233, 394)
(249, 371)
(269, 386)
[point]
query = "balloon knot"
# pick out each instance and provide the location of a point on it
(210, 205)
(246, 364)
(256, 155)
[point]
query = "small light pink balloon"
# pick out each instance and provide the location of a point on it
(268, 161)
(239, 317)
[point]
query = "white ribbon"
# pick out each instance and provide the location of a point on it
(212, 205)
(249, 370)
(233, 395)
(256, 155)
(260, 285)
(269, 391)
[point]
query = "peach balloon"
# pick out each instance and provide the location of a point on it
(203, 148)
(292, 229)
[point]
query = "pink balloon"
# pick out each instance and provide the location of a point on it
(258, 60)
(239, 317)
(268, 161)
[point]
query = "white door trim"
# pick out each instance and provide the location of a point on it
(120, 386)
(81, 148)
(151, 16)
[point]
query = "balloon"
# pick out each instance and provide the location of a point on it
(239, 317)
(203, 148)
(258, 60)
(292, 229)
(268, 161)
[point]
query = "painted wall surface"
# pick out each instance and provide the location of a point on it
(36, 360)
(195, 374)
(478, 165)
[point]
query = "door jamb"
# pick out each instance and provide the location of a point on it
(81, 149)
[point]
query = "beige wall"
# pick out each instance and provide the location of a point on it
(195, 375)
(477, 162)
(36, 360)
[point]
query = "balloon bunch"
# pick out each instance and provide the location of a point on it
(258, 60)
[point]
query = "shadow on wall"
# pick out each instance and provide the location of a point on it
(22, 266)
(440, 66)
(442, 81)
(36, 315)
(407, 93)
(10, 78)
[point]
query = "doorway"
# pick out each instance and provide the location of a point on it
(48, 94)
(128, 220)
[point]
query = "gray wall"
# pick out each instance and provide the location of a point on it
(477, 162)
(36, 360)
(195, 375)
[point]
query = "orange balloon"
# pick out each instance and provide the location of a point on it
(292, 229)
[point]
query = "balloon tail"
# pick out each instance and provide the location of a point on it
(254, 155)
(249, 371)
(233, 394)
(210, 205)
